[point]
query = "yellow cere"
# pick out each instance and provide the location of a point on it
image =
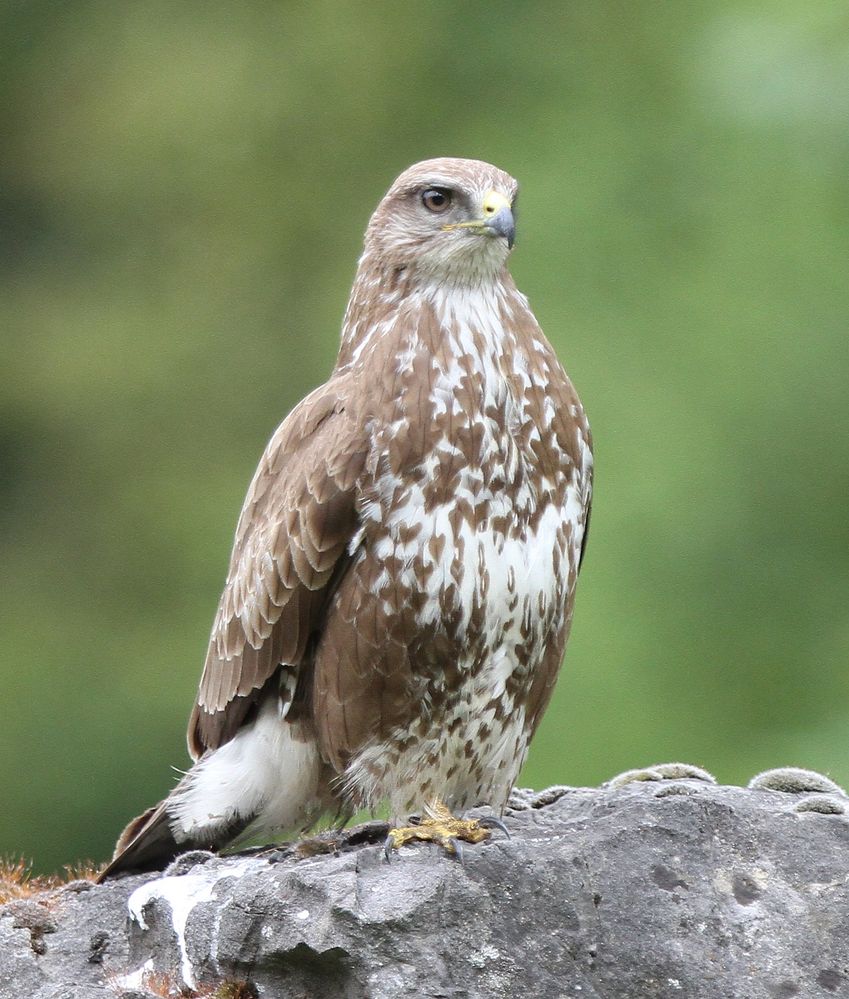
(493, 202)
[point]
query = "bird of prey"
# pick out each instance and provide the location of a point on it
(401, 586)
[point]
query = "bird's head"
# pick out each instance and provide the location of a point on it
(446, 220)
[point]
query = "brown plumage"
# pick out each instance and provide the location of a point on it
(401, 585)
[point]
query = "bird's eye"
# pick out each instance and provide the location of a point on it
(437, 199)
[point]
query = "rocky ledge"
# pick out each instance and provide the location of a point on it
(659, 884)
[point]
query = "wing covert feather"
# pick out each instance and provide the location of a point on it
(299, 516)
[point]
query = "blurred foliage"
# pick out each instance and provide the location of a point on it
(183, 191)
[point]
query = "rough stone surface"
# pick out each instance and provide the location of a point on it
(661, 886)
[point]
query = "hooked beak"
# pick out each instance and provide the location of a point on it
(503, 224)
(498, 216)
(497, 219)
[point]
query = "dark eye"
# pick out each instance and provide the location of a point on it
(437, 199)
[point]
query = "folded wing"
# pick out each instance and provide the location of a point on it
(291, 547)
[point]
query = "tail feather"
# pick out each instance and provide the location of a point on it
(267, 779)
(146, 844)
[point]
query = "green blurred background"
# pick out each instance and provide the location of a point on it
(183, 190)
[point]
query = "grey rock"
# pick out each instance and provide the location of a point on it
(792, 780)
(648, 887)
(662, 771)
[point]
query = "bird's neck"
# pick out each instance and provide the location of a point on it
(383, 296)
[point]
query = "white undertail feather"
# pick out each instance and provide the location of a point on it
(264, 774)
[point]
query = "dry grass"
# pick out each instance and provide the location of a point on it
(17, 880)
(164, 986)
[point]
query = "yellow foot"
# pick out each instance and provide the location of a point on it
(440, 826)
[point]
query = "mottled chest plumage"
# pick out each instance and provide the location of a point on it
(473, 518)
(476, 508)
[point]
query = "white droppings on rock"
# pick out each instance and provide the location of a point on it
(182, 892)
(135, 979)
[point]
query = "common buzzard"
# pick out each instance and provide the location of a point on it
(401, 587)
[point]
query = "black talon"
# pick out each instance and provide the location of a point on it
(490, 822)
(458, 848)
(387, 848)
